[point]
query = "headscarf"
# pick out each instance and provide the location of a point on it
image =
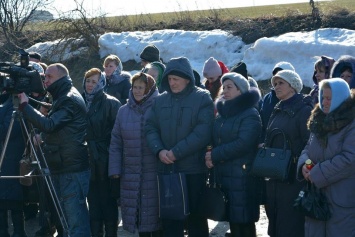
(99, 86)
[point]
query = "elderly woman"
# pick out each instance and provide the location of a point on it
(134, 163)
(331, 148)
(101, 114)
(236, 131)
(290, 115)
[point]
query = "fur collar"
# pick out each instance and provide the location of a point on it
(239, 104)
(322, 124)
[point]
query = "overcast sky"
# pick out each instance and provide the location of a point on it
(134, 7)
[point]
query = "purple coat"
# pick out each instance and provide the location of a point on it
(132, 160)
(331, 147)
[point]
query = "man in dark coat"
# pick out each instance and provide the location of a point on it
(63, 135)
(177, 130)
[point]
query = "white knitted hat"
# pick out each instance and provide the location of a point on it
(291, 77)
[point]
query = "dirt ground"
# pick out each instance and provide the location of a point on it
(217, 229)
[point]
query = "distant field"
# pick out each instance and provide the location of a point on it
(230, 13)
(139, 21)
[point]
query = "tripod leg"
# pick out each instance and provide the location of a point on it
(46, 173)
(7, 138)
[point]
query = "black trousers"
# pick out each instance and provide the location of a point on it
(242, 230)
(197, 226)
(103, 208)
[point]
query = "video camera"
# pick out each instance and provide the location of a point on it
(16, 78)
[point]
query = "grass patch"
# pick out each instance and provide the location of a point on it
(232, 13)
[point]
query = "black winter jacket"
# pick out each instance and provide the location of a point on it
(236, 133)
(64, 129)
(100, 118)
(118, 86)
(291, 116)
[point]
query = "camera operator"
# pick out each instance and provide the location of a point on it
(63, 133)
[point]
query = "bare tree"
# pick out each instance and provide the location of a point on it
(78, 28)
(15, 15)
(315, 10)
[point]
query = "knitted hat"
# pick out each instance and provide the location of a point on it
(150, 53)
(211, 68)
(240, 68)
(282, 66)
(340, 92)
(291, 77)
(238, 80)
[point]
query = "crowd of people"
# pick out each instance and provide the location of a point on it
(106, 145)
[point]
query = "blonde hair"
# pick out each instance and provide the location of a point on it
(112, 58)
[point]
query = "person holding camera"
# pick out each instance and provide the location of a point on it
(64, 146)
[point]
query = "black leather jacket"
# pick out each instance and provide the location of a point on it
(100, 118)
(64, 129)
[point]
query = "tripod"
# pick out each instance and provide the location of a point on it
(36, 163)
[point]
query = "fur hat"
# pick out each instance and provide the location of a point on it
(340, 92)
(211, 68)
(282, 66)
(240, 68)
(291, 77)
(238, 79)
(150, 53)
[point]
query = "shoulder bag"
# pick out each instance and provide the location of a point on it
(274, 163)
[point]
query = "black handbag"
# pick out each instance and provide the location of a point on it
(173, 196)
(313, 203)
(213, 202)
(271, 162)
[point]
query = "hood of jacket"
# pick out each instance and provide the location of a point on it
(345, 60)
(328, 62)
(181, 65)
